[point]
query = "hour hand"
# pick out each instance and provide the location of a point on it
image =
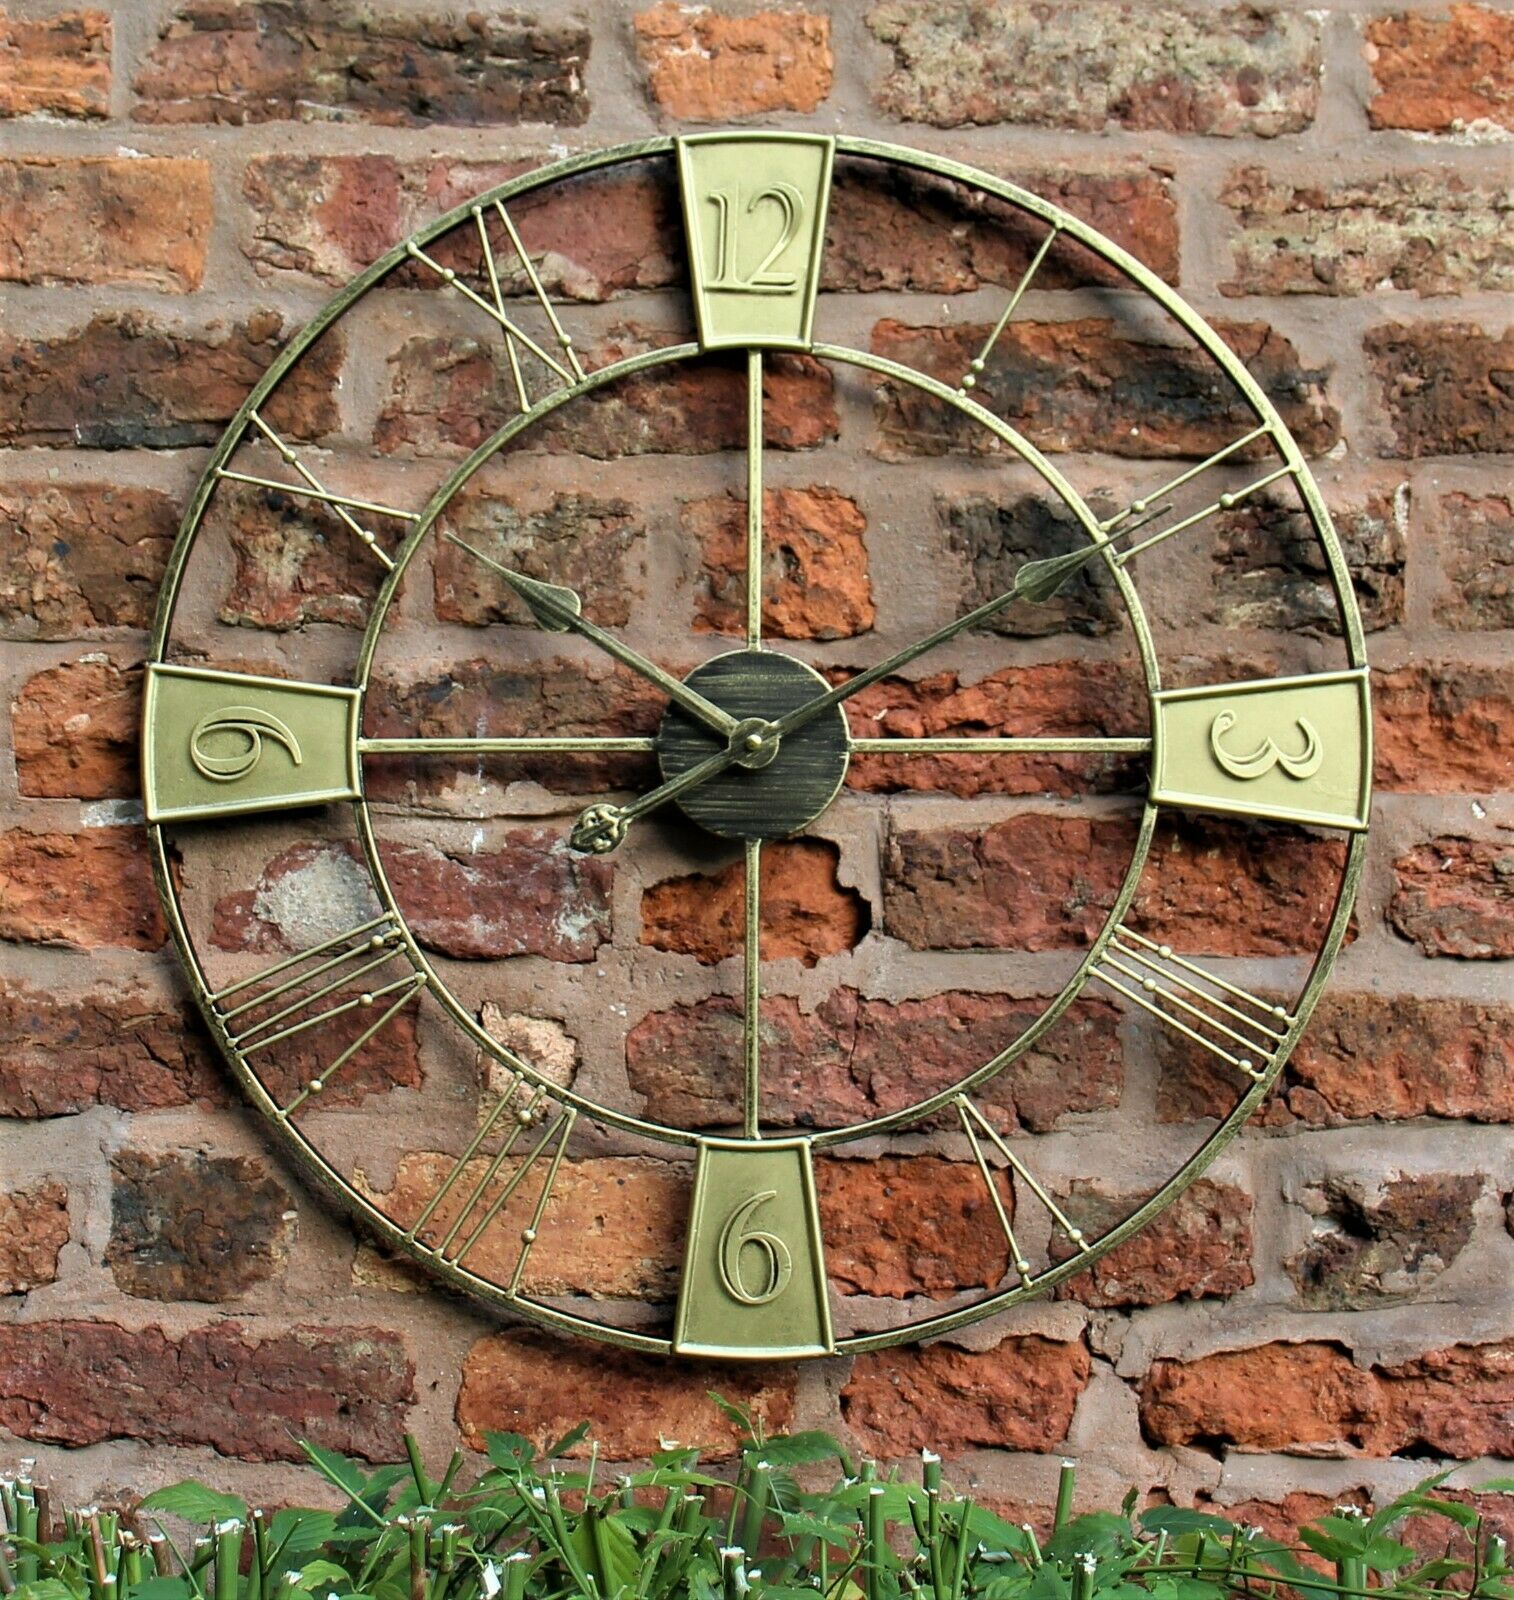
(560, 610)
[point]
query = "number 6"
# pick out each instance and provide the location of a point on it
(734, 1237)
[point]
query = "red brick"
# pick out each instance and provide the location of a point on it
(487, 698)
(1437, 1538)
(244, 1394)
(704, 67)
(1270, 572)
(190, 1226)
(594, 545)
(530, 895)
(1200, 1246)
(1080, 699)
(447, 395)
(124, 383)
(909, 1225)
(1429, 232)
(893, 229)
(1313, 1399)
(76, 730)
(58, 65)
(83, 890)
(1167, 68)
(1046, 882)
(1442, 74)
(1446, 388)
(34, 1228)
(1444, 729)
(1019, 1395)
(217, 61)
(1088, 385)
(1455, 897)
(615, 1228)
(1371, 1245)
(123, 1046)
(854, 1058)
(329, 216)
(542, 1386)
(1477, 553)
(807, 912)
(814, 564)
(105, 219)
(77, 557)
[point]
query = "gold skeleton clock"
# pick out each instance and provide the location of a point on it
(406, 821)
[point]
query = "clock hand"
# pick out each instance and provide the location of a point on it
(601, 828)
(560, 610)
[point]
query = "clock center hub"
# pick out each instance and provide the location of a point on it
(775, 787)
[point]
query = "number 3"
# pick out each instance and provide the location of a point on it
(778, 1263)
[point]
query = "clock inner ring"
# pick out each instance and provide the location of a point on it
(775, 792)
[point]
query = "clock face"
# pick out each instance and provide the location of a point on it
(698, 802)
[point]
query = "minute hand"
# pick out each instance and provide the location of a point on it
(558, 609)
(1036, 580)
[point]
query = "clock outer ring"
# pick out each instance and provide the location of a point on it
(326, 1178)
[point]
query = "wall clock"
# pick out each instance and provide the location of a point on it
(409, 820)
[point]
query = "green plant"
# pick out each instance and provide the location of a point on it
(536, 1527)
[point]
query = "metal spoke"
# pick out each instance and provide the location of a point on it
(754, 500)
(502, 746)
(998, 747)
(751, 956)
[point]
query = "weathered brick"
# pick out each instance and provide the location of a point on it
(33, 1230)
(814, 564)
(241, 1393)
(1443, 728)
(105, 219)
(1445, 388)
(1020, 1395)
(895, 229)
(123, 382)
(76, 557)
(854, 1058)
(615, 1227)
(294, 561)
(487, 698)
(705, 67)
(1371, 1245)
(1437, 1538)
(185, 1225)
(1270, 572)
(121, 1046)
(1199, 1246)
(1090, 385)
(1313, 1399)
(1079, 699)
(447, 395)
(595, 545)
(1044, 882)
(541, 1386)
(1365, 1056)
(76, 729)
(329, 216)
(1173, 69)
(1455, 897)
(82, 890)
(1477, 552)
(58, 65)
(296, 60)
(1442, 74)
(807, 912)
(530, 895)
(909, 1225)
(1429, 232)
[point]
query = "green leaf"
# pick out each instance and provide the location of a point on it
(44, 1589)
(162, 1589)
(196, 1503)
(733, 1413)
(568, 1440)
(1097, 1533)
(511, 1452)
(317, 1573)
(1179, 1519)
(796, 1449)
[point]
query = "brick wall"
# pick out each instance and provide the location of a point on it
(181, 185)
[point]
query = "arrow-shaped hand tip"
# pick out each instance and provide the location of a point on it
(1038, 581)
(549, 603)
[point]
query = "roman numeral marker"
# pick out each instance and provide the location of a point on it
(336, 967)
(1227, 1021)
